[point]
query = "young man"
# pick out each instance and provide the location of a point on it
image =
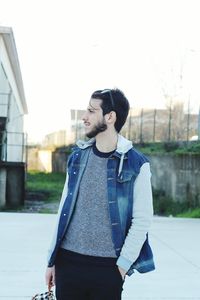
(105, 210)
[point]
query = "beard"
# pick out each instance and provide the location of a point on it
(100, 127)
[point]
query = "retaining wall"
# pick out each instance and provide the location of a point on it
(178, 176)
(12, 184)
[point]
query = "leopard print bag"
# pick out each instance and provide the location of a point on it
(45, 296)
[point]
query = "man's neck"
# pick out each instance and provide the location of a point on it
(106, 142)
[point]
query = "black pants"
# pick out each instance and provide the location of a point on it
(83, 277)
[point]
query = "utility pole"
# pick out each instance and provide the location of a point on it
(199, 125)
(170, 120)
(129, 126)
(141, 126)
(154, 125)
(76, 123)
(188, 120)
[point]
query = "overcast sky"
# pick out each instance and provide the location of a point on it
(68, 49)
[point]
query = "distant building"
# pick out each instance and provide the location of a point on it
(55, 139)
(77, 126)
(40, 156)
(12, 109)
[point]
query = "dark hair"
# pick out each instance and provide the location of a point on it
(114, 100)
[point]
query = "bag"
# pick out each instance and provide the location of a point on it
(44, 296)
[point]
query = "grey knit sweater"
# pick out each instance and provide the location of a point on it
(89, 231)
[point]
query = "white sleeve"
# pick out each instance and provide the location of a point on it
(63, 197)
(141, 221)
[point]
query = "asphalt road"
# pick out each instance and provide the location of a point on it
(24, 240)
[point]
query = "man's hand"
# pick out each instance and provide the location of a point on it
(122, 272)
(50, 277)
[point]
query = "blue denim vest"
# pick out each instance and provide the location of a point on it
(120, 200)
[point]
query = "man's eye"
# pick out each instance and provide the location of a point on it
(90, 110)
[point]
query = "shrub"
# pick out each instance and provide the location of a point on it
(165, 206)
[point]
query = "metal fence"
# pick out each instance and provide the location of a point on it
(161, 125)
(154, 125)
(13, 146)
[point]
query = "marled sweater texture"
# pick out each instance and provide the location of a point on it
(89, 231)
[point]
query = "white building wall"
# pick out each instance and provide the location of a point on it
(9, 73)
(15, 135)
(4, 92)
(11, 108)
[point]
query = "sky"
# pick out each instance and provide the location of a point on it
(150, 49)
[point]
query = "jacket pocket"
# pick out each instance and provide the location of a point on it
(126, 176)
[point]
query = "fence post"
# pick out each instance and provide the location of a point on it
(199, 125)
(188, 121)
(154, 124)
(141, 126)
(129, 126)
(170, 120)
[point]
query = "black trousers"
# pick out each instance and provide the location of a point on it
(83, 277)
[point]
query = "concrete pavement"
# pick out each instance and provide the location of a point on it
(24, 239)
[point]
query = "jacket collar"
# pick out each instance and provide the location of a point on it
(123, 145)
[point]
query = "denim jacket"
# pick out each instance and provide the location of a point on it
(123, 169)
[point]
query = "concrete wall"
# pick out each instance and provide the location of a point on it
(15, 186)
(12, 184)
(2, 187)
(46, 160)
(178, 176)
(59, 160)
(39, 160)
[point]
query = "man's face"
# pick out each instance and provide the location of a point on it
(93, 119)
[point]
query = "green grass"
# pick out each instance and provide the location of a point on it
(167, 207)
(176, 148)
(47, 185)
(164, 206)
(191, 213)
(150, 148)
(45, 211)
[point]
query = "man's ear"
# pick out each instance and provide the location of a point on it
(110, 117)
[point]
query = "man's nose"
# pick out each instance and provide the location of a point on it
(84, 116)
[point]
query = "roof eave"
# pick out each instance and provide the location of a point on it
(9, 41)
